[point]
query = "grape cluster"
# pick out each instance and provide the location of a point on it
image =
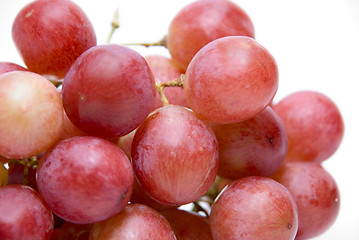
(100, 142)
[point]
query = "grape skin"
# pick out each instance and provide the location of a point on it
(85, 179)
(30, 114)
(230, 80)
(24, 215)
(50, 35)
(109, 91)
(254, 207)
(201, 22)
(175, 155)
(313, 123)
(256, 146)
(136, 221)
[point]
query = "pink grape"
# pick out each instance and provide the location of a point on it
(24, 214)
(254, 207)
(31, 114)
(256, 146)
(201, 22)
(135, 221)
(230, 80)
(125, 143)
(175, 155)
(9, 67)
(85, 179)
(50, 35)
(316, 195)
(188, 225)
(313, 123)
(165, 70)
(109, 91)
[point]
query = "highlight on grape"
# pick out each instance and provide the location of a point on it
(100, 142)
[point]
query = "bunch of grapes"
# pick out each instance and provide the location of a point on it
(100, 142)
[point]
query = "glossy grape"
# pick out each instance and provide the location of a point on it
(109, 91)
(175, 155)
(230, 80)
(253, 147)
(85, 179)
(136, 221)
(50, 35)
(201, 22)
(313, 123)
(24, 215)
(30, 114)
(254, 208)
(316, 195)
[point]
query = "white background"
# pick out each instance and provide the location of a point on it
(315, 43)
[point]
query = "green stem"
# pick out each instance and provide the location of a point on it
(115, 25)
(160, 43)
(173, 83)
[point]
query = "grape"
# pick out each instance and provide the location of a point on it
(31, 114)
(254, 207)
(24, 215)
(85, 179)
(201, 22)
(313, 124)
(165, 70)
(135, 221)
(9, 67)
(253, 147)
(3, 175)
(188, 225)
(175, 155)
(230, 80)
(109, 91)
(50, 35)
(69, 129)
(315, 193)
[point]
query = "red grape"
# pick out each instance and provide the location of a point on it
(315, 193)
(254, 208)
(231, 79)
(50, 35)
(253, 147)
(201, 22)
(188, 225)
(175, 155)
(165, 70)
(109, 91)
(31, 114)
(9, 67)
(85, 179)
(24, 215)
(135, 221)
(3, 175)
(125, 143)
(313, 124)
(69, 129)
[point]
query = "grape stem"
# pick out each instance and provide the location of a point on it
(173, 83)
(160, 43)
(115, 24)
(28, 163)
(198, 208)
